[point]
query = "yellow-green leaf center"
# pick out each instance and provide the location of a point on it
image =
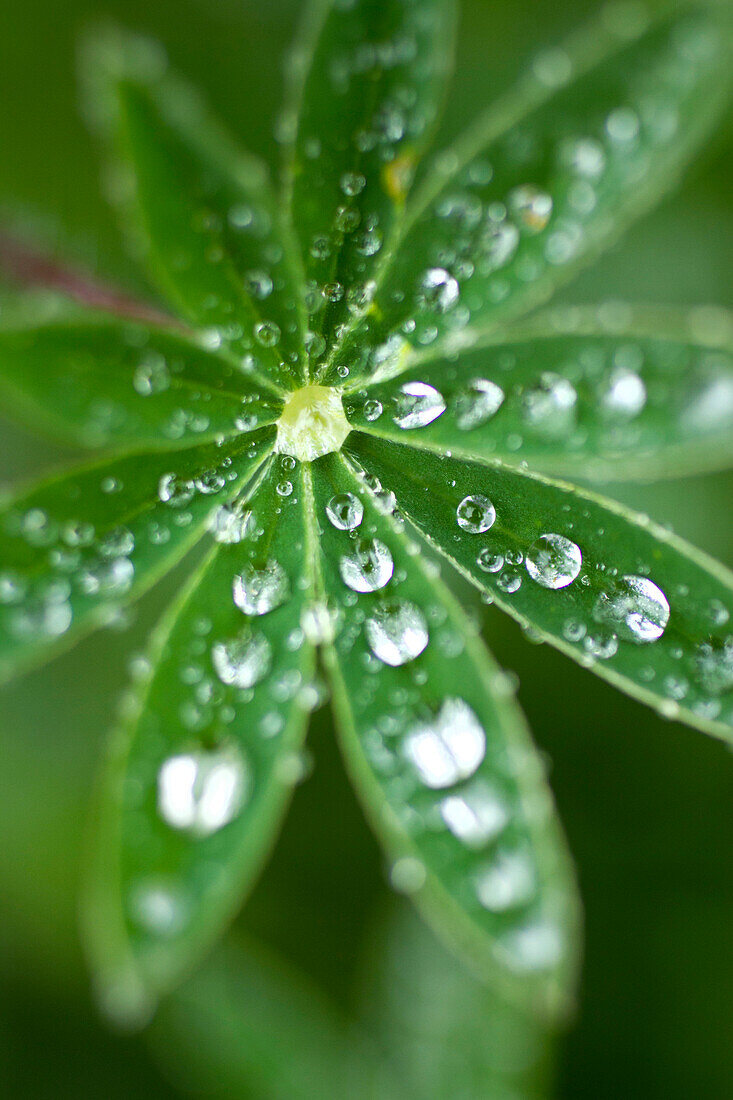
(312, 423)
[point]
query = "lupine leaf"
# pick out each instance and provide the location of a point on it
(594, 137)
(202, 768)
(448, 1034)
(80, 546)
(439, 752)
(619, 594)
(362, 114)
(100, 381)
(645, 394)
(206, 218)
(244, 1025)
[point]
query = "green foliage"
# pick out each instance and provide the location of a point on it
(399, 303)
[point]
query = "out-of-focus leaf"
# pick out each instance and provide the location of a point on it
(373, 74)
(446, 1033)
(619, 594)
(598, 132)
(439, 752)
(245, 1025)
(203, 766)
(207, 221)
(77, 548)
(607, 393)
(100, 381)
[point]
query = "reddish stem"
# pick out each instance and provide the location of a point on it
(26, 265)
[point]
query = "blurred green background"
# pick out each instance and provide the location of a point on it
(646, 804)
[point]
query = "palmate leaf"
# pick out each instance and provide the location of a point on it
(245, 1025)
(606, 393)
(371, 79)
(211, 231)
(614, 591)
(202, 768)
(447, 1033)
(591, 140)
(102, 381)
(438, 749)
(80, 546)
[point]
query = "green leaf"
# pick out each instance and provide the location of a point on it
(225, 1033)
(205, 215)
(372, 78)
(617, 593)
(597, 133)
(447, 1033)
(100, 381)
(439, 752)
(606, 393)
(203, 766)
(80, 546)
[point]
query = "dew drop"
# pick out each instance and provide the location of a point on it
(201, 792)
(242, 661)
(475, 815)
(509, 881)
(553, 561)
(438, 290)
(449, 748)
(257, 591)
(637, 609)
(477, 403)
(396, 632)
(475, 514)
(417, 404)
(368, 568)
(345, 511)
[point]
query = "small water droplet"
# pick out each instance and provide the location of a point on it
(368, 568)
(449, 748)
(475, 514)
(396, 632)
(636, 609)
(345, 511)
(201, 792)
(417, 405)
(257, 591)
(242, 661)
(477, 403)
(553, 561)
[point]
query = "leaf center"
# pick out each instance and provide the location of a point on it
(312, 423)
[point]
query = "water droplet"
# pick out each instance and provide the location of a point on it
(536, 945)
(267, 333)
(178, 492)
(417, 404)
(352, 183)
(345, 511)
(368, 568)
(242, 661)
(372, 410)
(477, 403)
(151, 376)
(475, 514)
(509, 881)
(231, 525)
(448, 749)
(532, 206)
(258, 284)
(396, 632)
(637, 610)
(438, 290)
(201, 792)
(549, 406)
(623, 393)
(475, 815)
(553, 561)
(257, 591)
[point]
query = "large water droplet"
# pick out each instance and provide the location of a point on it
(417, 404)
(242, 661)
(449, 748)
(396, 632)
(549, 406)
(200, 792)
(475, 815)
(553, 561)
(636, 609)
(345, 511)
(477, 403)
(368, 568)
(507, 882)
(475, 514)
(257, 591)
(438, 290)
